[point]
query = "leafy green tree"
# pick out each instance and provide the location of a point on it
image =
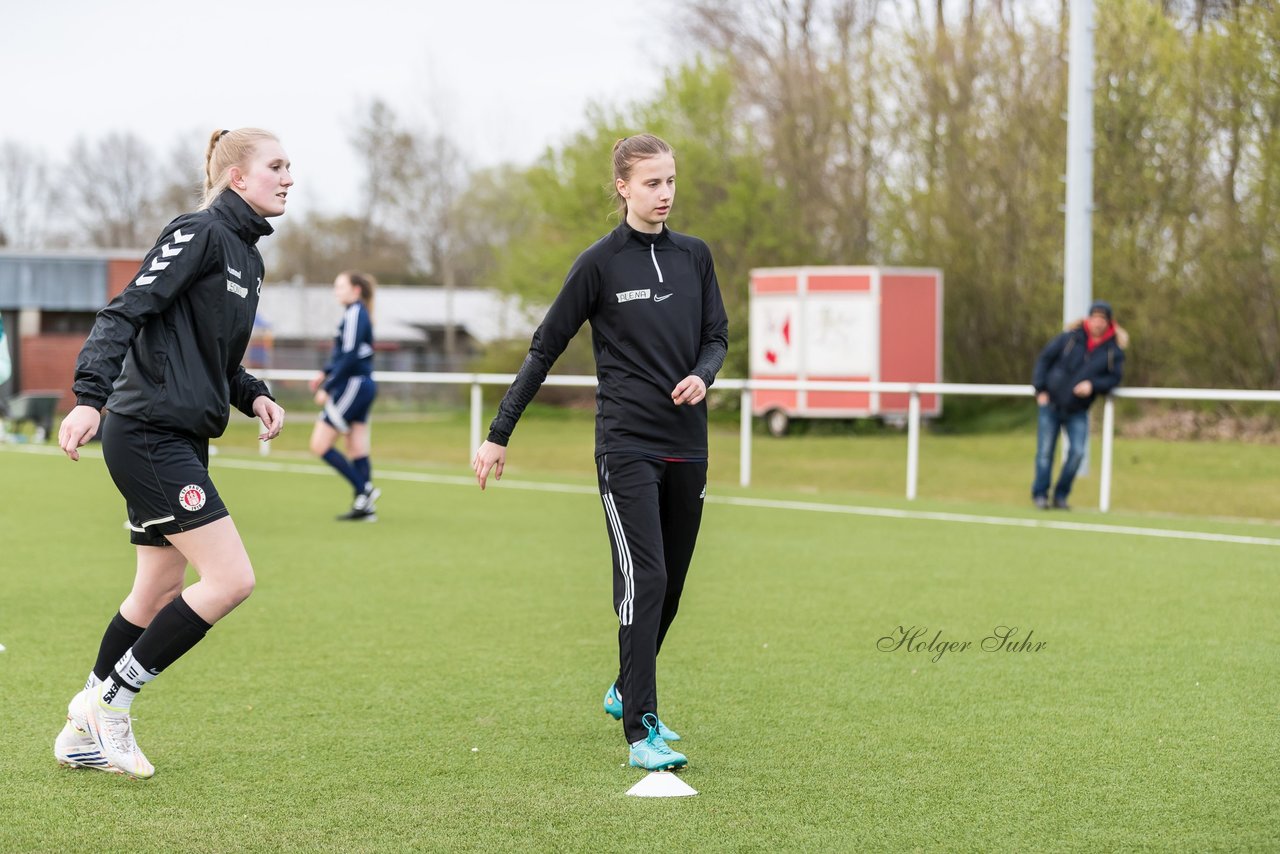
(881, 132)
(974, 185)
(1185, 232)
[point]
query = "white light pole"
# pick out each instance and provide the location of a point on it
(1077, 291)
(1077, 285)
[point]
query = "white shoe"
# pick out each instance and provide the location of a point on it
(74, 746)
(367, 501)
(112, 730)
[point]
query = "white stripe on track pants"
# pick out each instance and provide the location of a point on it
(653, 509)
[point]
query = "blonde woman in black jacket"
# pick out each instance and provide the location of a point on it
(163, 358)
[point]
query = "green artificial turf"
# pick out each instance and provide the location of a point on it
(433, 681)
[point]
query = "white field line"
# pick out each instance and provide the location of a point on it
(763, 503)
(1159, 533)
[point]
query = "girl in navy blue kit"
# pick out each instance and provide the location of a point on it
(659, 333)
(346, 390)
(163, 357)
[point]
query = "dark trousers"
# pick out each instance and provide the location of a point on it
(653, 509)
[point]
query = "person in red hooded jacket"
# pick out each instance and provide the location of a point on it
(1074, 368)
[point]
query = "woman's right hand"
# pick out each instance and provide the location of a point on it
(314, 382)
(80, 425)
(490, 456)
(1043, 398)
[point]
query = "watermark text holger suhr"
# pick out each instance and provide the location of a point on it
(919, 639)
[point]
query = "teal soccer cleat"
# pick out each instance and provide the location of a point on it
(613, 706)
(653, 753)
(613, 703)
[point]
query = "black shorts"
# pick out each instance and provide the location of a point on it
(163, 476)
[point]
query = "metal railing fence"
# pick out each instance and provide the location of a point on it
(745, 387)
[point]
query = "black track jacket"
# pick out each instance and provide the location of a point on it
(167, 349)
(656, 317)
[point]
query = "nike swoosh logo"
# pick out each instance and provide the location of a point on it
(661, 298)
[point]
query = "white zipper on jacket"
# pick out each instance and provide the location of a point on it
(654, 256)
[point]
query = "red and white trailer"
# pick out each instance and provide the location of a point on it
(852, 324)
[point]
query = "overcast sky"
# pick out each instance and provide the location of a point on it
(505, 79)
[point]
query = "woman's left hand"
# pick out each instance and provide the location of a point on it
(490, 456)
(321, 397)
(80, 425)
(271, 414)
(690, 391)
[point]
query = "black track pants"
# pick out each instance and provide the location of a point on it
(653, 509)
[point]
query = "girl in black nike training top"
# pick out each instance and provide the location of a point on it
(659, 332)
(163, 357)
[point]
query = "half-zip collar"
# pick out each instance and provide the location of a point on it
(650, 240)
(654, 257)
(243, 218)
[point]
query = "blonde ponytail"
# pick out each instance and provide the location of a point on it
(228, 148)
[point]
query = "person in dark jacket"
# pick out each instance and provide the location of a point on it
(163, 357)
(346, 390)
(659, 333)
(1073, 369)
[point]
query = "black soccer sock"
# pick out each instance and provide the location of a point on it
(116, 640)
(171, 634)
(174, 631)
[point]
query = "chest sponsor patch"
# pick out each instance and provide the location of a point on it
(191, 497)
(628, 296)
(239, 291)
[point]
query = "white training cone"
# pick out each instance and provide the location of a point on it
(662, 784)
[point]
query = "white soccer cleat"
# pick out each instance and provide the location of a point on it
(74, 746)
(367, 501)
(112, 731)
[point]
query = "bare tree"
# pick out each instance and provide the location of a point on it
(387, 151)
(432, 192)
(807, 71)
(25, 195)
(111, 189)
(316, 247)
(181, 184)
(413, 182)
